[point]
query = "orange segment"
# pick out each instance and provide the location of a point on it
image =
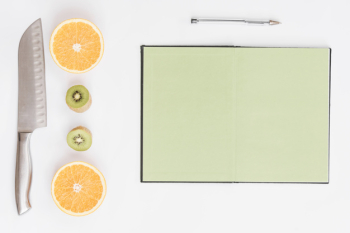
(78, 188)
(76, 45)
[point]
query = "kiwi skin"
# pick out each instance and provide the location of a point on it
(84, 108)
(84, 129)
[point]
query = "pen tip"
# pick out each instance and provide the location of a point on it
(272, 22)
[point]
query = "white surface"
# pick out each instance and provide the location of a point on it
(114, 119)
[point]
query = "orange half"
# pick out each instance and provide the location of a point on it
(76, 45)
(78, 188)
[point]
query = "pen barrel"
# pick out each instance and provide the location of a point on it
(256, 22)
(218, 21)
(234, 21)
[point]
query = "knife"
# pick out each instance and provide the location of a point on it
(31, 107)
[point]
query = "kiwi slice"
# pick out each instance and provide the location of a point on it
(79, 138)
(78, 98)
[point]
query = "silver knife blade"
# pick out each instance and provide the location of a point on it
(31, 80)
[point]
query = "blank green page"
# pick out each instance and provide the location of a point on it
(235, 114)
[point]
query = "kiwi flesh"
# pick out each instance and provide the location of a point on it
(79, 138)
(78, 98)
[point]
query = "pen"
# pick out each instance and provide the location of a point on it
(235, 21)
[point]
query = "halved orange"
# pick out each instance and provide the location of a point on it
(78, 188)
(76, 45)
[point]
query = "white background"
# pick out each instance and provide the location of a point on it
(114, 119)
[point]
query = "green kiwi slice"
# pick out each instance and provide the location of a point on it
(79, 138)
(78, 98)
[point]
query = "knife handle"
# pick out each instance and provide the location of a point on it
(23, 172)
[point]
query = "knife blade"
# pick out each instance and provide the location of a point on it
(31, 107)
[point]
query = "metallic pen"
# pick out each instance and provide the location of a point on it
(236, 21)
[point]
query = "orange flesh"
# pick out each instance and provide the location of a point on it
(86, 42)
(88, 188)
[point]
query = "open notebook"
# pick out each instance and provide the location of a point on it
(235, 114)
